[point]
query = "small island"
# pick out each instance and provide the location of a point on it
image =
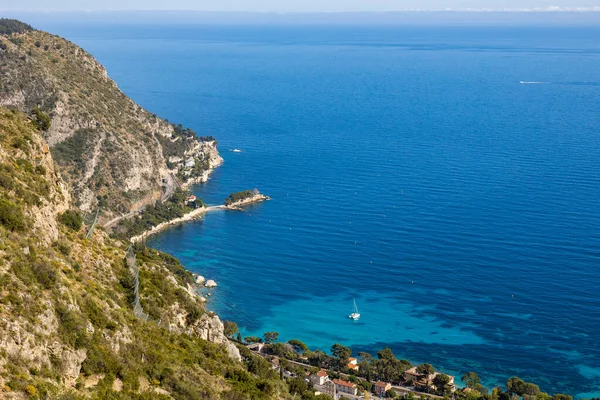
(243, 198)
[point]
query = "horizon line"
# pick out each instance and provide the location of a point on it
(549, 9)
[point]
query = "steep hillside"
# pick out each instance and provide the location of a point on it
(67, 323)
(112, 153)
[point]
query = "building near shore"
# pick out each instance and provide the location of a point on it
(329, 389)
(382, 387)
(345, 387)
(412, 377)
(319, 378)
(190, 199)
(352, 364)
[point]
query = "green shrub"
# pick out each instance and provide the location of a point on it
(63, 247)
(26, 165)
(6, 181)
(94, 313)
(100, 360)
(16, 40)
(31, 390)
(45, 274)
(19, 143)
(71, 219)
(72, 327)
(11, 216)
(71, 151)
(41, 120)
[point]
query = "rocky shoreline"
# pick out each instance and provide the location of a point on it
(257, 198)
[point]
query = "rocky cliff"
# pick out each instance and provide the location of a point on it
(113, 154)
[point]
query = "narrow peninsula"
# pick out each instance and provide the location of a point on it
(235, 201)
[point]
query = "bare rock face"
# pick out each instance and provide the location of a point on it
(71, 365)
(44, 215)
(209, 327)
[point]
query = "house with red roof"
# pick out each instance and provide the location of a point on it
(319, 378)
(352, 364)
(345, 387)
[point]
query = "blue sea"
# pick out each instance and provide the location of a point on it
(447, 178)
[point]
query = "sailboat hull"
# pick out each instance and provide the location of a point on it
(355, 315)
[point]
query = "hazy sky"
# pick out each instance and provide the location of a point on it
(295, 5)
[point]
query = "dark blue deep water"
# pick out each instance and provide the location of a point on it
(408, 168)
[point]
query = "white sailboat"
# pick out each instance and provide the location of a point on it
(355, 315)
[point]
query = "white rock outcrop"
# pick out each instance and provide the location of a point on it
(210, 284)
(209, 327)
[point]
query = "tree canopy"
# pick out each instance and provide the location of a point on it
(298, 346)
(270, 337)
(230, 328)
(9, 26)
(386, 354)
(471, 379)
(425, 369)
(341, 352)
(519, 387)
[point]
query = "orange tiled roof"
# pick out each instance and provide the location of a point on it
(344, 383)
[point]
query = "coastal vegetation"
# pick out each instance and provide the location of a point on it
(71, 219)
(387, 368)
(175, 207)
(239, 196)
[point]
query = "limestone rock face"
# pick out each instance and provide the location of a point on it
(209, 327)
(44, 215)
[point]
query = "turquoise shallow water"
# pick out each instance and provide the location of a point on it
(408, 168)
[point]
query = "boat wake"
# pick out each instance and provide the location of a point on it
(560, 83)
(236, 150)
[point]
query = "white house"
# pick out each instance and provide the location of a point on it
(319, 378)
